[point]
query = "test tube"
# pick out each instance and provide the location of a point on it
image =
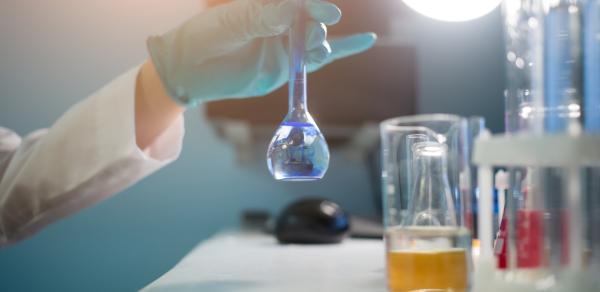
(591, 107)
(591, 41)
(562, 65)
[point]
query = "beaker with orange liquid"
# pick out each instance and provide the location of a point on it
(428, 242)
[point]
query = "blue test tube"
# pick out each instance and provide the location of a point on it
(591, 40)
(562, 65)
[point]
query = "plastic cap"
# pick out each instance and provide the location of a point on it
(501, 180)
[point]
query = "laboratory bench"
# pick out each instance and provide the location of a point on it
(249, 261)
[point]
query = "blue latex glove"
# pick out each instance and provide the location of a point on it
(240, 49)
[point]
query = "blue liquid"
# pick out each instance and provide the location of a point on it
(561, 65)
(298, 152)
(592, 67)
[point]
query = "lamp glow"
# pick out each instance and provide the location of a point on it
(453, 10)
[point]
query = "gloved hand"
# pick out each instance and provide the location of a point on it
(240, 49)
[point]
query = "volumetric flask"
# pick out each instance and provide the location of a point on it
(298, 150)
(428, 242)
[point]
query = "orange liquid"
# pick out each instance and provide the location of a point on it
(414, 270)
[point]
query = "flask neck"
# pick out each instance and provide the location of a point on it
(297, 45)
(297, 98)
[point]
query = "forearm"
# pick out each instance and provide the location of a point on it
(89, 154)
(155, 111)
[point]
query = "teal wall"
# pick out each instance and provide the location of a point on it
(461, 67)
(54, 53)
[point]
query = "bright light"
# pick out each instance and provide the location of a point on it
(453, 10)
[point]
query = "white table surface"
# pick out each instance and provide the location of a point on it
(249, 262)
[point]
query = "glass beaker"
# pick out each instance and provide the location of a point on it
(428, 241)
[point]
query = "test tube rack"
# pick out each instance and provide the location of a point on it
(567, 151)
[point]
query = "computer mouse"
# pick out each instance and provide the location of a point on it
(311, 221)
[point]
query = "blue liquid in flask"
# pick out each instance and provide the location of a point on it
(298, 150)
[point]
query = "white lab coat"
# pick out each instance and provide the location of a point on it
(89, 154)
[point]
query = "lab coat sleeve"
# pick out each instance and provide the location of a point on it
(89, 154)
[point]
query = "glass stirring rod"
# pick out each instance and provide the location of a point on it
(298, 150)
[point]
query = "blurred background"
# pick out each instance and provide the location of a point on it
(55, 53)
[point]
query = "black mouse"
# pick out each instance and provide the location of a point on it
(310, 221)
